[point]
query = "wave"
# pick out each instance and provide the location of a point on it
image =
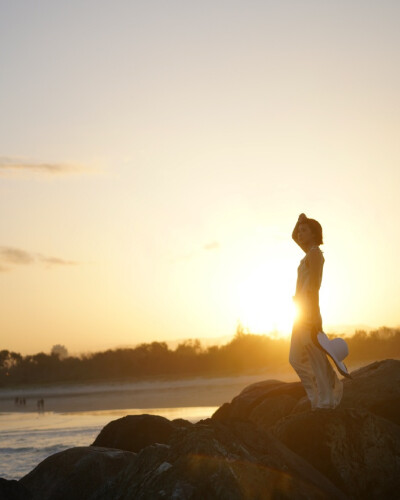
(51, 431)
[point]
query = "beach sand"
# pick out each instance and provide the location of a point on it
(194, 392)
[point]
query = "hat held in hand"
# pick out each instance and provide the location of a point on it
(337, 350)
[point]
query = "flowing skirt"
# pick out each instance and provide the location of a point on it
(323, 388)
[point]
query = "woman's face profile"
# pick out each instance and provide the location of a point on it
(304, 234)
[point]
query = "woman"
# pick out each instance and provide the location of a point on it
(323, 388)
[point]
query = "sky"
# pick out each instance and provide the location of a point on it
(155, 156)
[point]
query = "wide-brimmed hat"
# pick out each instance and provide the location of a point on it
(337, 349)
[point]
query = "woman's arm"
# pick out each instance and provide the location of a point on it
(302, 218)
(315, 263)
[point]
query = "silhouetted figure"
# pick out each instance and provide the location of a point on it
(323, 388)
(40, 405)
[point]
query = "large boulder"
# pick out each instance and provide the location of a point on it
(262, 403)
(357, 450)
(75, 473)
(211, 460)
(375, 387)
(135, 432)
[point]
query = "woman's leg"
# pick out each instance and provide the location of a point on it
(329, 387)
(300, 361)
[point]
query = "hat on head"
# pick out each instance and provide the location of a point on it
(337, 350)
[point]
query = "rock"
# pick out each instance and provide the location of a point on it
(74, 473)
(215, 461)
(357, 450)
(181, 422)
(210, 460)
(134, 432)
(13, 490)
(302, 405)
(137, 477)
(375, 387)
(263, 403)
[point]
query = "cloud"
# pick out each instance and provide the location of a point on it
(16, 256)
(56, 261)
(18, 166)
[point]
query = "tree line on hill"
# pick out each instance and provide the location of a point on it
(246, 353)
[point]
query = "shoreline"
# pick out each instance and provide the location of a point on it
(148, 393)
(194, 392)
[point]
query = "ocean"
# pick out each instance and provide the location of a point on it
(74, 414)
(27, 438)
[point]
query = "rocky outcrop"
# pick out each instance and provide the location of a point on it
(205, 461)
(74, 473)
(213, 461)
(265, 443)
(375, 387)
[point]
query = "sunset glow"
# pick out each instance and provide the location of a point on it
(263, 302)
(155, 156)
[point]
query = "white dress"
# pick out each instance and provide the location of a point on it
(323, 388)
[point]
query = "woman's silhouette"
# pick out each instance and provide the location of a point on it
(323, 388)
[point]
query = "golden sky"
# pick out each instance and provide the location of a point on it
(155, 156)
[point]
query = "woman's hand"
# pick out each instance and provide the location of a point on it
(315, 329)
(302, 218)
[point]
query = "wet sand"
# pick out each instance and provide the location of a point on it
(194, 392)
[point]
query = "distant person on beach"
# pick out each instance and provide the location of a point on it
(323, 388)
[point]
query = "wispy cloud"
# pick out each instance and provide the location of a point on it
(11, 256)
(55, 261)
(15, 256)
(18, 166)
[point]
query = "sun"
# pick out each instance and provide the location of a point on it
(264, 300)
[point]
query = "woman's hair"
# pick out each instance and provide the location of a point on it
(316, 229)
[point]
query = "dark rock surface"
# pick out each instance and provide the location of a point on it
(134, 432)
(13, 490)
(211, 460)
(74, 473)
(262, 403)
(265, 443)
(357, 450)
(375, 387)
